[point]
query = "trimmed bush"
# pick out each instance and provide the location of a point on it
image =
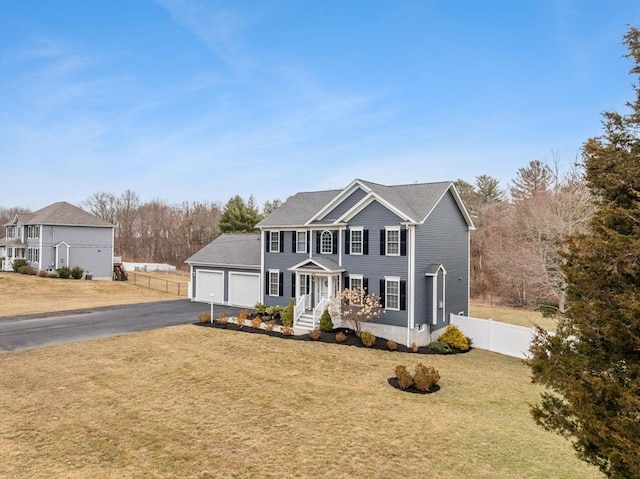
(77, 272)
(64, 272)
(392, 345)
(454, 338)
(341, 337)
(405, 380)
(287, 330)
(367, 338)
(414, 347)
(425, 377)
(24, 269)
(326, 324)
(42, 273)
(269, 325)
(314, 334)
(240, 320)
(287, 317)
(256, 322)
(17, 263)
(277, 312)
(223, 318)
(204, 318)
(439, 347)
(260, 309)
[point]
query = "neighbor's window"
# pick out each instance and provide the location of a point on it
(356, 241)
(393, 242)
(33, 232)
(274, 242)
(33, 255)
(11, 232)
(392, 293)
(326, 242)
(301, 241)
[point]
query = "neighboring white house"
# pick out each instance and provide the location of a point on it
(59, 235)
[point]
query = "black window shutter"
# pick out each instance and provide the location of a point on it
(365, 285)
(317, 242)
(382, 291)
(347, 237)
(403, 295)
(382, 242)
(346, 282)
(403, 242)
(293, 285)
(365, 242)
(281, 241)
(266, 283)
(334, 248)
(268, 241)
(308, 235)
(294, 238)
(281, 284)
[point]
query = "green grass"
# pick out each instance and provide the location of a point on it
(201, 403)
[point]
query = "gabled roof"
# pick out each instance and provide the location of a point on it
(61, 214)
(318, 263)
(230, 249)
(413, 203)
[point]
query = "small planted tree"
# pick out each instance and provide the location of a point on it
(357, 308)
(326, 324)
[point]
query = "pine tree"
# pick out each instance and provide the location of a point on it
(591, 366)
(531, 180)
(239, 217)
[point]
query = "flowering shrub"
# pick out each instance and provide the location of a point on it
(356, 307)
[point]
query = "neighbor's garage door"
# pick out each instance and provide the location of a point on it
(208, 282)
(244, 289)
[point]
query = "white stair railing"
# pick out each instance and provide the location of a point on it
(299, 309)
(318, 310)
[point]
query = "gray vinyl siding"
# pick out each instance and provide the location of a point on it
(224, 270)
(282, 261)
(442, 239)
(373, 266)
(345, 205)
(90, 247)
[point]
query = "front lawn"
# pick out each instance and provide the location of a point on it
(205, 402)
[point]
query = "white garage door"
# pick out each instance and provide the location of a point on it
(208, 282)
(244, 289)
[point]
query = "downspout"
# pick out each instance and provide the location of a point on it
(262, 277)
(411, 278)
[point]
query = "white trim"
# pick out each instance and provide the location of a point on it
(359, 229)
(306, 240)
(395, 279)
(341, 196)
(277, 273)
(444, 297)
(322, 234)
(230, 289)
(263, 235)
(411, 273)
(386, 240)
(459, 203)
(207, 271)
(271, 233)
(366, 201)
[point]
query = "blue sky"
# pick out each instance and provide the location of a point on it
(188, 100)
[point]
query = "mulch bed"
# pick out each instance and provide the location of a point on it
(393, 382)
(327, 337)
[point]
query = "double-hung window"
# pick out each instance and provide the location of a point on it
(274, 282)
(393, 241)
(11, 231)
(356, 240)
(301, 241)
(392, 293)
(33, 232)
(274, 242)
(33, 255)
(356, 283)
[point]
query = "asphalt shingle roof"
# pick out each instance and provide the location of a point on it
(237, 249)
(61, 213)
(299, 209)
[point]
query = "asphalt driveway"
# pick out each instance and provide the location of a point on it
(34, 331)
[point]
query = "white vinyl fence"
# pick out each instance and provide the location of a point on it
(502, 338)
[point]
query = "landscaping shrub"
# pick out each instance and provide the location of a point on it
(287, 330)
(326, 324)
(287, 317)
(245, 313)
(276, 312)
(341, 337)
(42, 273)
(256, 322)
(425, 377)
(64, 272)
(439, 347)
(204, 318)
(240, 320)
(367, 338)
(454, 338)
(269, 325)
(392, 345)
(260, 309)
(76, 272)
(24, 269)
(414, 347)
(52, 274)
(405, 380)
(17, 263)
(223, 318)
(314, 334)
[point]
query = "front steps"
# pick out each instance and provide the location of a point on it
(305, 322)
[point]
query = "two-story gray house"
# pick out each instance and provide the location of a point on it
(407, 244)
(59, 235)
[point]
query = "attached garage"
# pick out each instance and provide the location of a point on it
(208, 282)
(244, 289)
